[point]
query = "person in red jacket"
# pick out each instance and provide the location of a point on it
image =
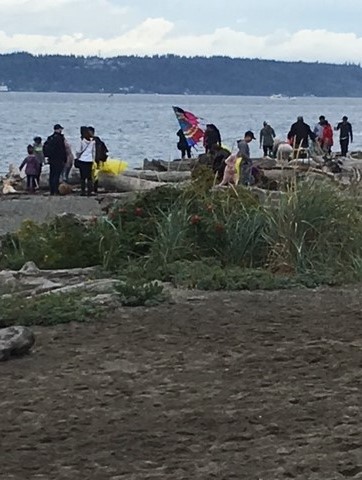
(327, 137)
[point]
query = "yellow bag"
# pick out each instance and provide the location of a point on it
(113, 166)
(238, 163)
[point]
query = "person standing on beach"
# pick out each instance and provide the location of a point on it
(38, 152)
(267, 136)
(345, 135)
(54, 150)
(101, 156)
(85, 157)
(326, 139)
(32, 168)
(299, 134)
(244, 153)
(211, 137)
(182, 145)
(318, 128)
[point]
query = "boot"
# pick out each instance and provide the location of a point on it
(95, 186)
(89, 188)
(82, 188)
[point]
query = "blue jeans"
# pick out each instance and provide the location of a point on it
(246, 173)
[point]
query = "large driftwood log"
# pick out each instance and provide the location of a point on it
(128, 182)
(176, 165)
(286, 173)
(153, 176)
(121, 183)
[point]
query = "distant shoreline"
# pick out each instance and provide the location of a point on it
(144, 94)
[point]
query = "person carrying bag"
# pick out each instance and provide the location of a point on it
(84, 161)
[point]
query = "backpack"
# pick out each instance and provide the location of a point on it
(102, 152)
(48, 147)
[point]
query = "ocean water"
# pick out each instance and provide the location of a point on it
(135, 127)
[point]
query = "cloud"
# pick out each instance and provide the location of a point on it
(158, 36)
(31, 6)
(66, 17)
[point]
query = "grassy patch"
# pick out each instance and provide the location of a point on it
(138, 294)
(47, 310)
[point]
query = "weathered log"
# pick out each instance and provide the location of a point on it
(121, 183)
(163, 166)
(280, 174)
(153, 176)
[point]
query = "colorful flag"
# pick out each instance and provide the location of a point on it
(190, 125)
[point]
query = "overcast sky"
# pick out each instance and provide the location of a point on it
(311, 30)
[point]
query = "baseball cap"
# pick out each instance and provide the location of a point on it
(57, 126)
(249, 133)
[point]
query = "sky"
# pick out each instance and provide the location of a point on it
(307, 30)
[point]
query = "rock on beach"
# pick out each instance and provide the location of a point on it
(15, 341)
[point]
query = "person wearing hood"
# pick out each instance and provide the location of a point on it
(300, 133)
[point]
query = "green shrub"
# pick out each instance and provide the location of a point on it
(314, 231)
(66, 242)
(47, 310)
(138, 294)
(314, 227)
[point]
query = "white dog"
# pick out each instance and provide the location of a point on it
(7, 187)
(283, 151)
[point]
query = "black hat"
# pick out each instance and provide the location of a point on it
(57, 126)
(249, 133)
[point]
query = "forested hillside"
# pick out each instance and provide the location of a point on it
(177, 75)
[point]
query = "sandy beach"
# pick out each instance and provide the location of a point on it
(240, 386)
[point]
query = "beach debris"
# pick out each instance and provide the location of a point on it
(65, 189)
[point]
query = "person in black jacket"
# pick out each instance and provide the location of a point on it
(182, 145)
(101, 154)
(55, 151)
(345, 134)
(212, 137)
(300, 133)
(220, 154)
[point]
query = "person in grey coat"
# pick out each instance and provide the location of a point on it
(267, 136)
(244, 154)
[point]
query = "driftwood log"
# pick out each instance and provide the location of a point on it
(122, 183)
(153, 176)
(176, 165)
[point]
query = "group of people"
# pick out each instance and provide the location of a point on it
(230, 168)
(57, 152)
(299, 135)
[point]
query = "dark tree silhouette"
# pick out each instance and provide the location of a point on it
(174, 75)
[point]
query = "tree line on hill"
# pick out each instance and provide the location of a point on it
(171, 74)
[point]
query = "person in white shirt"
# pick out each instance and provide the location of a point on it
(84, 161)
